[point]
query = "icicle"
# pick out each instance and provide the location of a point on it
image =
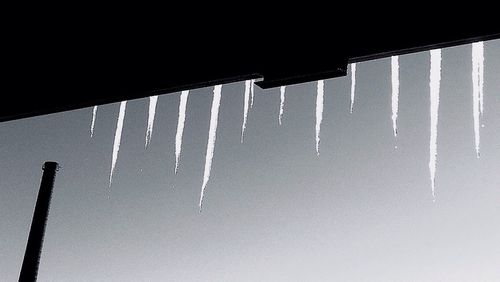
(353, 84)
(395, 92)
(180, 127)
(245, 108)
(434, 84)
(151, 119)
(118, 137)
(480, 53)
(212, 134)
(477, 90)
(252, 90)
(319, 111)
(94, 114)
(475, 96)
(282, 103)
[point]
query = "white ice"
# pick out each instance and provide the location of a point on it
(153, 100)
(212, 134)
(282, 103)
(319, 112)
(353, 84)
(395, 92)
(180, 127)
(94, 114)
(118, 138)
(480, 54)
(434, 84)
(477, 89)
(245, 108)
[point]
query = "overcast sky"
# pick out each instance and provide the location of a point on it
(273, 210)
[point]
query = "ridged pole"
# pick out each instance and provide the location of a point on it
(29, 269)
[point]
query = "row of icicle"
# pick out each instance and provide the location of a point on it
(434, 85)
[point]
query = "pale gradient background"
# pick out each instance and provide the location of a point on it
(273, 210)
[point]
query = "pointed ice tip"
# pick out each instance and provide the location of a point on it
(148, 140)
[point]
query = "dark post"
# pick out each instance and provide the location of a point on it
(29, 270)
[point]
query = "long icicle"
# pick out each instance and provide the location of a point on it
(480, 53)
(118, 138)
(282, 103)
(319, 112)
(353, 84)
(153, 100)
(180, 127)
(475, 96)
(212, 134)
(246, 102)
(477, 90)
(395, 92)
(434, 84)
(94, 114)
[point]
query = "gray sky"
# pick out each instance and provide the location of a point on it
(273, 210)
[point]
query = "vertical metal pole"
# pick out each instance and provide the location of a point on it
(29, 270)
